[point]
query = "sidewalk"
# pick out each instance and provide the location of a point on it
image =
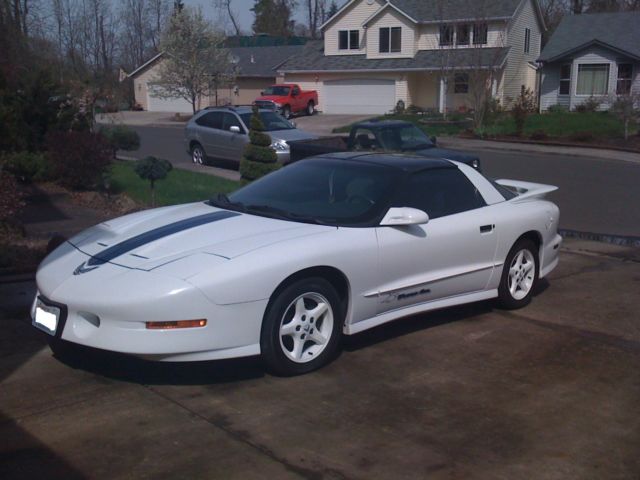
(473, 144)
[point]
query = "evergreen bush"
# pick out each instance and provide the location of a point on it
(259, 158)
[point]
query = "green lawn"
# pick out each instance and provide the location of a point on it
(558, 125)
(180, 186)
(562, 125)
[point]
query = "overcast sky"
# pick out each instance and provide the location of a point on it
(242, 8)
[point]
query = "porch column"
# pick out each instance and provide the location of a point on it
(443, 94)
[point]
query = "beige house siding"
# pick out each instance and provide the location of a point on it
(391, 18)
(351, 18)
(423, 89)
(140, 84)
(517, 70)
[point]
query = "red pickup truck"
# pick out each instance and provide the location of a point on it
(288, 99)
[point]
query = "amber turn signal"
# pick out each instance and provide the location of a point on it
(176, 324)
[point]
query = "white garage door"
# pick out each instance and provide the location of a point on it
(358, 96)
(173, 105)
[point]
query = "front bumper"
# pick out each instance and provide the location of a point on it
(107, 308)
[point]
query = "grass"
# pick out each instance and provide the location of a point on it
(587, 126)
(180, 186)
(562, 125)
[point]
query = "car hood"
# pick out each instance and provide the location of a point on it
(150, 239)
(271, 98)
(291, 134)
(447, 154)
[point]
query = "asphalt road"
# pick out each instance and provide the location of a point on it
(595, 195)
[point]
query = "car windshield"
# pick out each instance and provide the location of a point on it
(403, 137)
(322, 191)
(272, 121)
(277, 91)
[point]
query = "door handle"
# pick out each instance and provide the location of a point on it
(487, 228)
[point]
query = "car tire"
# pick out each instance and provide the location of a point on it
(197, 154)
(286, 111)
(302, 328)
(310, 108)
(519, 275)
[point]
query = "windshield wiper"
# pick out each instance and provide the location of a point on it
(222, 201)
(282, 214)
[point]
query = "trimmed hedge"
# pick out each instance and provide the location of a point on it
(259, 158)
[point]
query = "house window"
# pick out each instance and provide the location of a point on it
(527, 40)
(480, 31)
(593, 79)
(390, 39)
(565, 79)
(446, 35)
(461, 83)
(462, 34)
(349, 39)
(625, 73)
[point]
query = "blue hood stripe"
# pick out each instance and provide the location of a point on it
(157, 233)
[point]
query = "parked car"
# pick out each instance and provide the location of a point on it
(288, 99)
(222, 133)
(286, 265)
(381, 135)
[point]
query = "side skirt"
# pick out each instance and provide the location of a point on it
(420, 308)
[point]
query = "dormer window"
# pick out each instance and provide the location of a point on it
(390, 39)
(446, 35)
(349, 39)
(463, 32)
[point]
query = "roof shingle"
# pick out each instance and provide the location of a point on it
(439, 10)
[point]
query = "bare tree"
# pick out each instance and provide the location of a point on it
(316, 12)
(195, 64)
(225, 11)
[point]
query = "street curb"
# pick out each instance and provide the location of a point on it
(620, 240)
(554, 144)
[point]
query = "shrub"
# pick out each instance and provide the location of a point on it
(153, 169)
(492, 110)
(539, 135)
(522, 107)
(79, 159)
(26, 166)
(121, 137)
(557, 108)
(415, 110)
(627, 109)
(10, 197)
(259, 157)
(399, 109)
(591, 104)
(585, 136)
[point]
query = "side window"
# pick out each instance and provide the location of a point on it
(296, 91)
(230, 120)
(364, 139)
(211, 120)
(441, 192)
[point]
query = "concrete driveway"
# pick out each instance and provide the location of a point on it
(547, 392)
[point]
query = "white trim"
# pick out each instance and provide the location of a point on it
(379, 11)
(144, 65)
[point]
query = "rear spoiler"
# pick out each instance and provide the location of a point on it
(526, 190)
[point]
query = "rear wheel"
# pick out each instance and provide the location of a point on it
(197, 154)
(286, 111)
(310, 108)
(519, 275)
(302, 328)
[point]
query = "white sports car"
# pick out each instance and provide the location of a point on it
(286, 265)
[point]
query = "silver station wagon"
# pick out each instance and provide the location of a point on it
(222, 132)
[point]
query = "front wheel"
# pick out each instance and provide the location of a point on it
(286, 111)
(519, 275)
(310, 108)
(197, 154)
(302, 328)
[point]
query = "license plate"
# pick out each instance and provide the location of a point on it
(45, 317)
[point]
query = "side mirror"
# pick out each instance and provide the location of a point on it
(404, 216)
(234, 129)
(433, 140)
(261, 92)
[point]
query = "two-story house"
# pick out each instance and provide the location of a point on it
(423, 52)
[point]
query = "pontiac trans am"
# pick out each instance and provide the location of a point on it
(285, 266)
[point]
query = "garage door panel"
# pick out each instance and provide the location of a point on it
(353, 96)
(173, 105)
